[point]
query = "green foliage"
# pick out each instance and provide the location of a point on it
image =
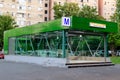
(116, 16)
(72, 9)
(113, 17)
(114, 39)
(58, 11)
(68, 9)
(117, 11)
(89, 12)
(115, 60)
(6, 23)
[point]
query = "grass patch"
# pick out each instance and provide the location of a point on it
(115, 60)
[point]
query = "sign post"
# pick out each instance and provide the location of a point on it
(65, 23)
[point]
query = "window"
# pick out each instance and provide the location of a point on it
(13, 14)
(29, 15)
(13, 0)
(39, 9)
(105, 3)
(45, 11)
(23, 15)
(45, 19)
(2, 0)
(22, 7)
(40, 1)
(81, 0)
(29, 8)
(1, 5)
(113, 4)
(59, 3)
(13, 6)
(39, 15)
(29, 23)
(1, 13)
(21, 1)
(29, 1)
(112, 9)
(46, 5)
(22, 22)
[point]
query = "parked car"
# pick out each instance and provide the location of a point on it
(101, 53)
(1, 55)
(118, 53)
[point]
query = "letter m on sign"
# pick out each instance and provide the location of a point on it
(65, 21)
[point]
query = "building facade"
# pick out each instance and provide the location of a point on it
(107, 8)
(27, 12)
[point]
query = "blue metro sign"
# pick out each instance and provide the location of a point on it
(65, 21)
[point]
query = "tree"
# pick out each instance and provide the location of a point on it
(72, 9)
(89, 12)
(114, 38)
(6, 23)
(68, 9)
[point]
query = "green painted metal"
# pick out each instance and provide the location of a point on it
(84, 24)
(77, 23)
(105, 46)
(26, 42)
(33, 29)
(63, 43)
(32, 45)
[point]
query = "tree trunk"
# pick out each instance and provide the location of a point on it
(112, 48)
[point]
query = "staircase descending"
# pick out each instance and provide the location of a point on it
(88, 64)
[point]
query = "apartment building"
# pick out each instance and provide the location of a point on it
(27, 12)
(107, 8)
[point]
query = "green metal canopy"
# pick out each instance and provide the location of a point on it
(86, 24)
(77, 23)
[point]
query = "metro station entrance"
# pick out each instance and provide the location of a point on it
(86, 46)
(84, 40)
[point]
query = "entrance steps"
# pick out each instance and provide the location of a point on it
(88, 64)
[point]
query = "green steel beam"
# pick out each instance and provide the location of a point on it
(32, 45)
(105, 46)
(38, 45)
(26, 44)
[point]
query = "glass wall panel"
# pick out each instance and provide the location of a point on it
(44, 44)
(85, 47)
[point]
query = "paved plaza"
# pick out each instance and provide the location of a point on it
(10, 70)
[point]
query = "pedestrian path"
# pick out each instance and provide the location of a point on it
(54, 62)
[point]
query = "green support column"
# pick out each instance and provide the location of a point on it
(105, 46)
(63, 43)
(26, 45)
(33, 50)
(16, 45)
